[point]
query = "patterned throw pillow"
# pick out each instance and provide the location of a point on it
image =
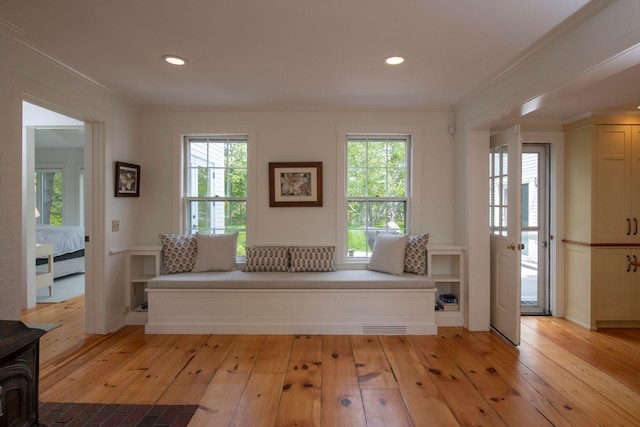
(267, 259)
(313, 259)
(415, 256)
(178, 252)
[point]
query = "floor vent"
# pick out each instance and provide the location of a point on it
(384, 330)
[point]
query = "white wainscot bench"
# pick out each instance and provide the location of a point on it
(343, 302)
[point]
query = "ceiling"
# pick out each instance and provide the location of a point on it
(301, 52)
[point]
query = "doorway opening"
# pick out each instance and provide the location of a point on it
(56, 155)
(534, 258)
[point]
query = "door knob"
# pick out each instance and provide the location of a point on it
(520, 246)
(511, 246)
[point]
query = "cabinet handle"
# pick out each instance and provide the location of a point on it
(635, 263)
(635, 226)
(628, 227)
(628, 263)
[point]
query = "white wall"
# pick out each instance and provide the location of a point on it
(284, 135)
(27, 74)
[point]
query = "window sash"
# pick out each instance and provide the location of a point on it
(215, 185)
(377, 189)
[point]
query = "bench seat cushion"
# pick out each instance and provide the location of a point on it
(340, 279)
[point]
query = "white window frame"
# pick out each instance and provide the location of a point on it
(414, 135)
(178, 212)
(214, 139)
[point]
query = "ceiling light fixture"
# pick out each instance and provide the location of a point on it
(174, 60)
(394, 60)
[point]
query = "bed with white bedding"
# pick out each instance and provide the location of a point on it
(68, 248)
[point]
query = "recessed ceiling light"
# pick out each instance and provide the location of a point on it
(174, 60)
(394, 60)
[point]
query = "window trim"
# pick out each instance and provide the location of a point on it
(178, 209)
(414, 199)
(222, 138)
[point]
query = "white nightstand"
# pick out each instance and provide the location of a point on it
(45, 279)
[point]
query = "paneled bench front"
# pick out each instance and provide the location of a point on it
(343, 302)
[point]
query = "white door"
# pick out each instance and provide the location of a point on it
(505, 226)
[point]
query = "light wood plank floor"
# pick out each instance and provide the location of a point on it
(560, 375)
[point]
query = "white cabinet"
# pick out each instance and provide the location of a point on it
(617, 184)
(445, 265)
(602, 221)
(143, 263)
(616, 294)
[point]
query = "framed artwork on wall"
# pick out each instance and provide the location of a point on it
(295, 184)
(127, 180)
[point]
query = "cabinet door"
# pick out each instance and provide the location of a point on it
(635, 183)
(614, 277)
(614, 219)
(635, 287)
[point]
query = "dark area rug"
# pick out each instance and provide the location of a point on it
(97, 414)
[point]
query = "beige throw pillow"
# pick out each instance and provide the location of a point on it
(215, 252)
(388, 253)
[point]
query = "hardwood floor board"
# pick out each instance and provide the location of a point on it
(603, 384)
(192, 381)
(300, 402)
(384, 407)
(424, 403)
(258, 405)
(495, 389)
(218, 404)
(65, 360)
(551, 404)
(341, 401)
(372, 366)
(341, 406)
(456, 342)
(568, 375)
(243, 353)
(338, 364)
(161, 371)
(88, 370)
(132, 370)
(627, 337)
(596, 348)
(274, 355)
(457, 390)
(601, 410)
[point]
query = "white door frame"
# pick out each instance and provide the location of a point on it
(94, 192)
(95, 295)
(556, 215)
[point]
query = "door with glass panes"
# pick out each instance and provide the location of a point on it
(534, 256)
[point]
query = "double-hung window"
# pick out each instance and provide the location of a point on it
(48, 185)
(378, 189)
(215, 185)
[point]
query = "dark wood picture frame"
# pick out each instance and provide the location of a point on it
(295, 184)
(127, 180)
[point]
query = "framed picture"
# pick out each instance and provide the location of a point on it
(127, 180)
(295, 184)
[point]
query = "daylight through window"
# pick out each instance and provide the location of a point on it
(215, 190)
(377, 189)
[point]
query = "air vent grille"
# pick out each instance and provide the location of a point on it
(385, 330)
